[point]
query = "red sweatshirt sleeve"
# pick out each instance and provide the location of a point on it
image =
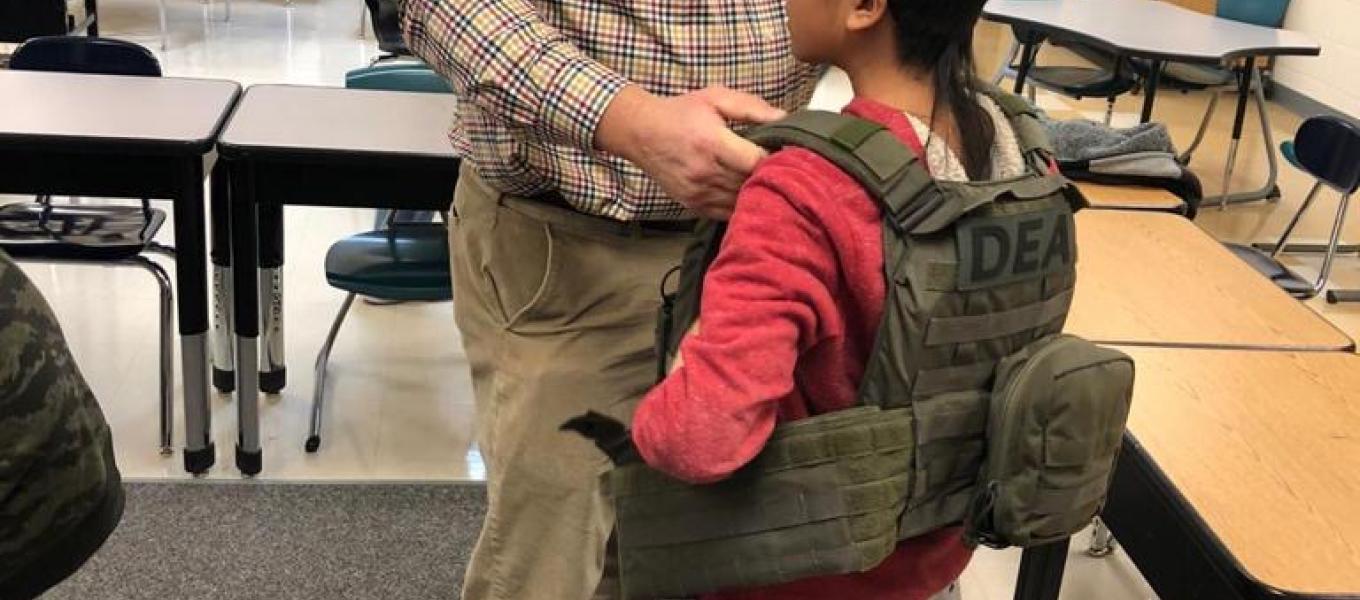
(767, 298)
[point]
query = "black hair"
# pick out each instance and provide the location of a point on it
(937, 36)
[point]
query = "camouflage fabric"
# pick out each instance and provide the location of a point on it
(56, 464)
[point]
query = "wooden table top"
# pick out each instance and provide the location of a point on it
(1130, 197)
(1149, 278)
(1266, 447)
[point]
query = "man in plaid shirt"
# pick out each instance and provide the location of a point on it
(594, 132)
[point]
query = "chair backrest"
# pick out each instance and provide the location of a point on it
(23, 19)
(75, 54)
(1328, 148)
(1266, 13)
(413, 78)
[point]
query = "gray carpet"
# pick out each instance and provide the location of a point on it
(276, 542)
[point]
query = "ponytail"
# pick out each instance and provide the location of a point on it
(937, 35)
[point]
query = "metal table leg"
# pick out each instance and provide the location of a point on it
(1041, 572)
(191, 279)
(1154, 80)
(244, 260)
(223, 356)
(1249, 83)
(273, 373)
(1028, 55)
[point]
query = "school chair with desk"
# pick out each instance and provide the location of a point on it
(1215, 79)
(119, 235)
(1110, 78)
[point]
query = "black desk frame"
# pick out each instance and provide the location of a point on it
(259, 181)
(131, 168)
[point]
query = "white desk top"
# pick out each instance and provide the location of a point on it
(88, 110)
(301, 119)
(1151, 29)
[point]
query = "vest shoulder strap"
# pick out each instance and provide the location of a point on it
(890, 171)
(1024, 119)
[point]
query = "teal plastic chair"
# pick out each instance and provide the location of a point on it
(399, 261)
(404, 76)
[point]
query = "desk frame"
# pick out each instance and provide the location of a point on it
(1247, 79)
(259, 181)
(129, 168)
(1172, 546)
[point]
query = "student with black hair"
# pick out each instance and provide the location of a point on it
(793, 302)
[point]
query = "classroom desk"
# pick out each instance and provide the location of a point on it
(1160, 32)
(319, 147)
(1130, 197)
(1240, 475)
(128, 137)
(1156, 279)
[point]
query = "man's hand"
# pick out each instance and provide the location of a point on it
(684, 144)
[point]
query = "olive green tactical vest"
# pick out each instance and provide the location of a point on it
(977, 273)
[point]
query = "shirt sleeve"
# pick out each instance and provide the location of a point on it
(502, 57)
(760, 310)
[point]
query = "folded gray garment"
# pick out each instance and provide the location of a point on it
(1088, 140)
(1138, 164)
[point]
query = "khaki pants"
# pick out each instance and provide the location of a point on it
(557, 312)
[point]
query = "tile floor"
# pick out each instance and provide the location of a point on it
(400, 400)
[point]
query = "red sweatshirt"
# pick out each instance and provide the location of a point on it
(790, 312)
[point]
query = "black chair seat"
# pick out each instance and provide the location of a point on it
(66, 232)
(1185, 76)
(1271, 269)
(1082, 82)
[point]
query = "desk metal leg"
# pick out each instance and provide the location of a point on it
(191, 278)
(1154, 80)
(1249, 83)
(244, 260)
(1028, 55)
(273, 373)
(1041, 572)
(223, 356)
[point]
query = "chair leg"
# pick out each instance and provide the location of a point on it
(363, 21)
(1185, 157)
(1004, 68)
(319, 386)
(1102, 540)
(167, 352)
(164, 35)
(1293, 222)
(1331, 245)
(1272, 162)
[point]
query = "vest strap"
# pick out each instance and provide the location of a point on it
(959, 330)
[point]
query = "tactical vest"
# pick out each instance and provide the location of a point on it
(973, 408)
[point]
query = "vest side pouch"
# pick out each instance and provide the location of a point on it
(822, 498)
(1058, 412)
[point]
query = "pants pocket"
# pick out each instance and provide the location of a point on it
(520, 265)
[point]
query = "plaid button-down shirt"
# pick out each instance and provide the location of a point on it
(534, 77)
